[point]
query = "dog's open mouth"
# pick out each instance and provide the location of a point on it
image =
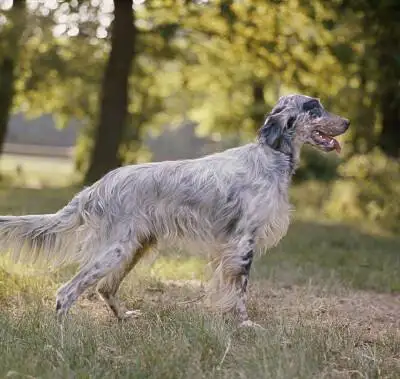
(328, 143)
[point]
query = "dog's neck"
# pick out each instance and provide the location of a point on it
(288, 161)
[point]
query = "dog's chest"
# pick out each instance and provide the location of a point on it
(273, 213)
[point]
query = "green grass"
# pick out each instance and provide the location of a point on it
(327, 296)
(37, 172)
(342, 252)
(171, 343)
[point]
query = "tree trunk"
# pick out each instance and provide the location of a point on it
(8, 63)
(7, 70)
(114, 93)
(388, 88)
(259, 105)
(389, 139)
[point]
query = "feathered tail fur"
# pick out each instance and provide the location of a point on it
(48, 238)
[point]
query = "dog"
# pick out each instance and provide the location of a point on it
(231, 204)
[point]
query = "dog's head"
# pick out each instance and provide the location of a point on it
(300, 119)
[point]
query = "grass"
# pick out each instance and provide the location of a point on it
(35, 171)
(327, 296)
(172, 343)
(352, 257)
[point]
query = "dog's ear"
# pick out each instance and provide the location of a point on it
(271, 132)
(276, 131)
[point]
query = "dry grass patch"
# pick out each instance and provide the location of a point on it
(308, 334)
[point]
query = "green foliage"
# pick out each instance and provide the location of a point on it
(364, 190)
(368, 189)
(316, 165)
(11, 31)
(201, 61)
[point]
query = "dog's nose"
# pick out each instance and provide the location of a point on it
(346, 122)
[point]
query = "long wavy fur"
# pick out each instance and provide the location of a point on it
(220, 202)
(201, 201)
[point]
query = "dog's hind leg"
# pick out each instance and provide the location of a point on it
(108, 286)
(112, 257)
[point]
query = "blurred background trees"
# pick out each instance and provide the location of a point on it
(114, 98)
(10, 41)
(126, 69)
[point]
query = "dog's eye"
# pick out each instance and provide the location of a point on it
(290, 122)
(311, 104)
(313, 108)
(316, 112)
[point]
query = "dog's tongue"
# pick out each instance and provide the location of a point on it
(333, 143)
(329, 142)
(337, 146)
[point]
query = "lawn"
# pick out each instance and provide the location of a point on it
(328, 297)
(36, 171)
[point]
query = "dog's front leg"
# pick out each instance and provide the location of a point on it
(246, 254)
(228, 288)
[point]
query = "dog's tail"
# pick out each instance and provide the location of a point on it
(48, 238)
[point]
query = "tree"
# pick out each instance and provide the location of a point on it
(387, 49)
(10, 40)
(61, 72)
(369, 37)
(251, 53)
(114, 93)
(222, 64)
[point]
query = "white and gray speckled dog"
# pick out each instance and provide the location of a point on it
(229, 203)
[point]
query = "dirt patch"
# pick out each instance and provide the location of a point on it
(372, 313)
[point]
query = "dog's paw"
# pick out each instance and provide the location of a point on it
(62, 309)
(250, 324)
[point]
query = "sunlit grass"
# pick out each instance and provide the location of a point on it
(182, 268)
(37, 172)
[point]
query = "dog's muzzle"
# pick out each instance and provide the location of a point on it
(325, 139)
